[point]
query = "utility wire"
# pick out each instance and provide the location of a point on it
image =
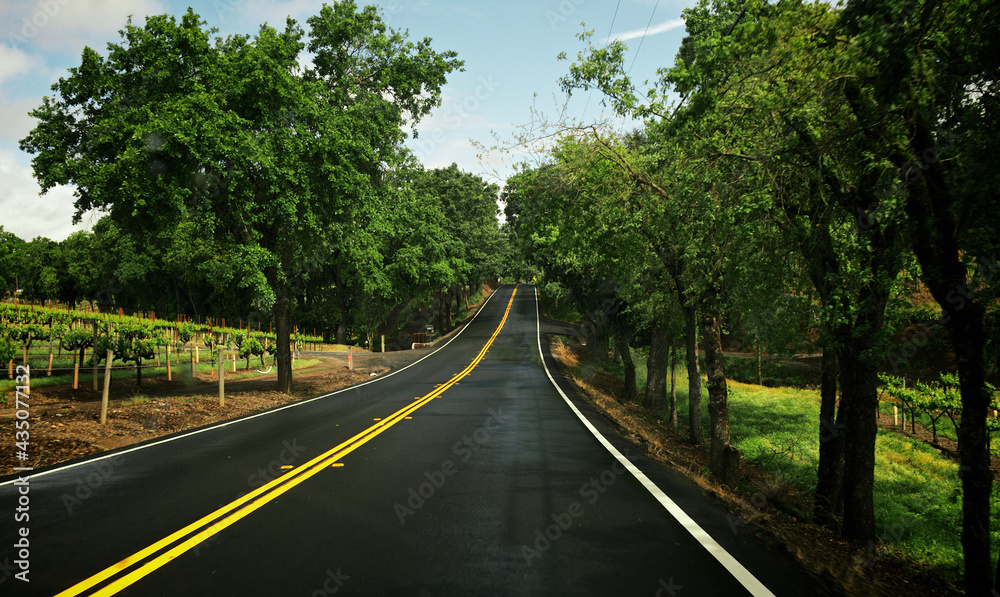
(610, 29)
(643, 38)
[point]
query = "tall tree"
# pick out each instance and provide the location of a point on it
(277, 163)
(932, 80)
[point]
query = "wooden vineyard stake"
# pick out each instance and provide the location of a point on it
(222, 380)
(93, 354)
(107, 387)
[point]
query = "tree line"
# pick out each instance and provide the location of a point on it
(258, 178)
(804, 175)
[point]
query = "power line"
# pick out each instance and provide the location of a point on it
(643, 38)
(608, 38)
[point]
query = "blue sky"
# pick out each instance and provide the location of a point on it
(509, 49)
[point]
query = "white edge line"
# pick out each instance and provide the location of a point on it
(247, 418)
(744, 576)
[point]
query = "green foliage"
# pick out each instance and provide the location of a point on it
(7, 348)
(936, 399)
(77, 339)
(185, 331)
(278, 166)
(773, 374)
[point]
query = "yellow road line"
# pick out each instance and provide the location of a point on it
(234, 511)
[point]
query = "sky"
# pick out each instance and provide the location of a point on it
(511, 73)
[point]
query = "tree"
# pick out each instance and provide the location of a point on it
(77, 263)
(10, 246)
(278, 164)
(932, 78)
(468, 207)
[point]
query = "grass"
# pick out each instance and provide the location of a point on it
(772, 373)
(917, 491)
(136, 399)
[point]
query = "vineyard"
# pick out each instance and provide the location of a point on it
(937, 406)
(61, 342)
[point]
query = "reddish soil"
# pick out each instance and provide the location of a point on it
(65, 423)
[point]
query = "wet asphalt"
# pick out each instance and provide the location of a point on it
(495, 487)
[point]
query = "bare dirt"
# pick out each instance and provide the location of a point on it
(65, 423)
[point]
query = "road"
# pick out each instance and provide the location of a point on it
(467, 473)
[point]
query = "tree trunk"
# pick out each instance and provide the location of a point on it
(282, 332)
(828, 507)
(194, 307)
(859, 398)
(723, 457)
(694, 375)
(440, 314)
(760, 376)
(968, 342)
(341, 307)
(597, 338)
(931, 207)
(453, 305)
(673, 385)
(996, 583)
(656, 368)
(622, 344)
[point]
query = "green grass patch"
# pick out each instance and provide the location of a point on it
(615, 367)
(772, 373)
(917, 491)
(136, 399)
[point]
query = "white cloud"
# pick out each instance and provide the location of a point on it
(246, 16)
(14, 62)
(28, 214)
(70, 24)
(663, 27)
(16, 123)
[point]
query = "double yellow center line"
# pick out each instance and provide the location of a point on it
(138, 565)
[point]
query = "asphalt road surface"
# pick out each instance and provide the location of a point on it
(467, 473)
